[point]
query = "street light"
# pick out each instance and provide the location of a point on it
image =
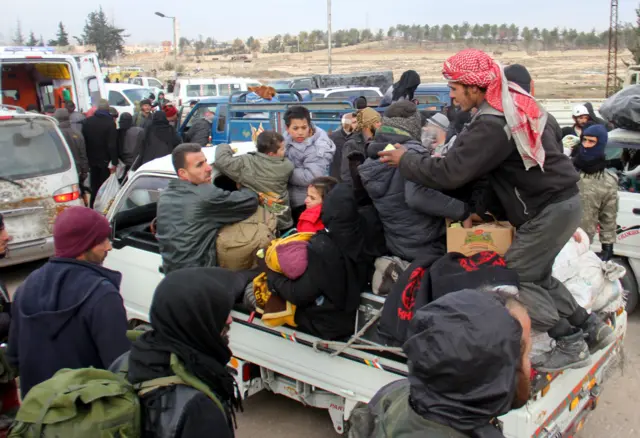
(175, 32)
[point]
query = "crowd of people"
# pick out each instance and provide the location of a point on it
(381, 185)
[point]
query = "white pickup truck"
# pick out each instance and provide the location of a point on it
(314, 372)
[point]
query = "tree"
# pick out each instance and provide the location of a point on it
(237, 46)
(632, 39)
(447, 32)
(18, 38)
(354, 36)
(476, 32)
(392, 32)
(256, 46)
(199, 45)
(63, 36)
(514, 32)
(183, 44)
(546, 39)
(210, 43)
(455, 31)
(380, 35)
(108, 39)
(494, 32)
(464, 30)
(41, 41)
(366, 35)
(275, 44)
(527, 36)
(32, 41)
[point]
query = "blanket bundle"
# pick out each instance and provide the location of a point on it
(287, 256)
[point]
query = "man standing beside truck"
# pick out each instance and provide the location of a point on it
(510, 141)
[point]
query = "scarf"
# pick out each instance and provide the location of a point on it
(524, 116)
(188, 313)
(409, 125)
(406, 86)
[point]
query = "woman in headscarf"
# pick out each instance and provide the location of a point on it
(190, 320)
(403, 89)
(160, 139)
(327, 304)
(129, 140)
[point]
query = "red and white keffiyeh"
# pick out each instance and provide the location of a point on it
(525, 117)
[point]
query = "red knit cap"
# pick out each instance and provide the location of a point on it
(77, 230)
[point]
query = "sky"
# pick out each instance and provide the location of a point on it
(224, 20)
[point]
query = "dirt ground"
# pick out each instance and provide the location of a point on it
(557, 74)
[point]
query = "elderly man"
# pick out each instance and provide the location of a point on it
(340, 138)
(534, 183)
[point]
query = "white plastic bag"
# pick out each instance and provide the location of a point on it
(106, 194)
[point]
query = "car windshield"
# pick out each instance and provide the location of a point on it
(135, 95)
(30, 148)
(280, 85)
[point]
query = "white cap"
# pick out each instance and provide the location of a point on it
(580, 110)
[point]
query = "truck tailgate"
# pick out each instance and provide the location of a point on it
(570, 397)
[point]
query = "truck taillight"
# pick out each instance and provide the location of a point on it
(67, 194)
(6, 117)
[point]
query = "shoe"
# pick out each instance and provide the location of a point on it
(570, 352)
(597, 334)
(607, 252)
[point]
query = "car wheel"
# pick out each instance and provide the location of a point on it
(630, 285)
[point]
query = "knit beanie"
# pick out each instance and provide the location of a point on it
(367, 118)
(77, 230)
(404, 115)
(520, 75)
(439, 120)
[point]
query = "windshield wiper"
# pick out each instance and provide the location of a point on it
(9, 180)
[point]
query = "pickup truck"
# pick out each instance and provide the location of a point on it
(328, 375)
(236, 122)
(382, 80)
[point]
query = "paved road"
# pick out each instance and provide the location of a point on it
(271, 416)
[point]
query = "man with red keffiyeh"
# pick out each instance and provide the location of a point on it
(531, 181)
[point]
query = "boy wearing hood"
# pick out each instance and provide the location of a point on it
(455, 392)
(413, 216)
(69, 313)
(310, 150)
(598, 189)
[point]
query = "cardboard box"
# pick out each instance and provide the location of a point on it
(494, 236)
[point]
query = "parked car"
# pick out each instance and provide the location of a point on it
(148, 82)
(126, 97)
(38, 180)
(372, 94)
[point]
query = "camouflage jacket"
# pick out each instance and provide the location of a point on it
(599, 193)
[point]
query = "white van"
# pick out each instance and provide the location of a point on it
(39, 76)
(38, 180)
(126, 97)
(148, 82)
(188, 89)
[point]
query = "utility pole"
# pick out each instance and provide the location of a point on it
(612, 63)
(329, 32)
(175, 39)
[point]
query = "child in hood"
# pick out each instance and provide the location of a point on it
(310, 218)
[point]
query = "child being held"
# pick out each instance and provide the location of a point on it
(310, 220)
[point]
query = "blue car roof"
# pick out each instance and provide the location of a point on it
(436, 86)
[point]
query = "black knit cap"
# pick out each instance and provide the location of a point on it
(520, 75)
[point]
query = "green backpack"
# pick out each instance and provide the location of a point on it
(92, 402)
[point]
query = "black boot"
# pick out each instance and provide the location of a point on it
(597, 334)
(607, 252)
(569, 352)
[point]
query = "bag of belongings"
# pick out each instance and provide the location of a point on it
(592, 282)
(623, 108)
(287, 256)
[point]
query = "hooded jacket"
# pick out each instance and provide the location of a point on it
(259, 172)
(327, 304)
(160, 139)
(339, 137)
(129, 140)
(522, 193)
(190, 326)
(450, 392)
(74, 139)
(66, 314)
(311, 158)
(355, 145)
(101, 137)
(189, 218)
(413, 216)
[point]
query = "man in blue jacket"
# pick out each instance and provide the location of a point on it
(69, 313)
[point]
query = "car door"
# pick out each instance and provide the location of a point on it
(92, 82)
(135, 252)
(628, 230)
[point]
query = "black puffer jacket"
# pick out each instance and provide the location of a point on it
(327, 304)
(483, 148)
(413, 216)
(101, 139)
(356, 144)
